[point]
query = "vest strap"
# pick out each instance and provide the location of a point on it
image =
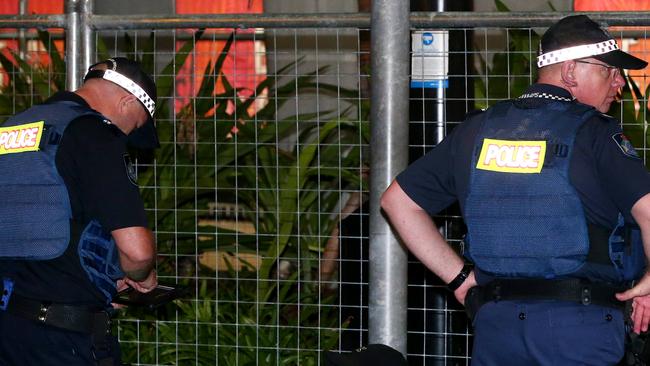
(599, 245)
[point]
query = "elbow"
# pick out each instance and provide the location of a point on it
(141, 256)
(384, 201)
(397, 204)
(389, 198)
(137, 247)
(641, 212)
(138, 265)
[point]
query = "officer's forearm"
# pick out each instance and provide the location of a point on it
(137, 251)
(641, 214)
(419, 234)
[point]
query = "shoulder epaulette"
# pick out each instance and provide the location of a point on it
(605, 118)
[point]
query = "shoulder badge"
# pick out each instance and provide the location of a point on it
(130, 169)
(625, 145)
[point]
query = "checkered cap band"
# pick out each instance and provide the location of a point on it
(576, 52)
(132, 88)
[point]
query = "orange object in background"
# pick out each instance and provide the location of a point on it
(34, 49)
(245, 65)
(610, 5)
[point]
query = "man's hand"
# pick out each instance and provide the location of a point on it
(145, 285)
(640, 296)
(121, 285)
(461, 292)
(640, 293)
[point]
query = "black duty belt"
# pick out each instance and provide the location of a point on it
(569, 290)
(68, 317)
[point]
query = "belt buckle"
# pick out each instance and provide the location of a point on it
(42, 312)
(109, 323)
(496, 292)
(585, 295)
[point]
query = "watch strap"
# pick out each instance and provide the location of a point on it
(460, 278)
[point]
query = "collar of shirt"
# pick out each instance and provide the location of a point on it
(546, 91)
(67, 96)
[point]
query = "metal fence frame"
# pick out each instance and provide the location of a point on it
(390, 23)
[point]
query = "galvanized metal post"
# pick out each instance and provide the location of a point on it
(390, 44)
(438, 298)
(87, 37)
(22, 32)
(72, 43)
(79, 38)
(440, 96)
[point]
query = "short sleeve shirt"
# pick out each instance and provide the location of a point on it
(93, 161)
(608, 177)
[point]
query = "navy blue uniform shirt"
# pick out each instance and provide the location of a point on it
(91, 159)
(608, 177)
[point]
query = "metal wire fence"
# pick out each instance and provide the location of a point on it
(258, 196)
(245, 192)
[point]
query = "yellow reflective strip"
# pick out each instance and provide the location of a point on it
(21, 138)
(512, 156)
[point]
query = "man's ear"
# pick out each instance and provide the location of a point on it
(568, 74)
(127, 102)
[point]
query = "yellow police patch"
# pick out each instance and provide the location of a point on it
(15, 139)
(512, 156)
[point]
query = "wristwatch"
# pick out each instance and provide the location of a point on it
(462, 276)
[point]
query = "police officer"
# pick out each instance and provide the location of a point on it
(73, 222)
(553, 195)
